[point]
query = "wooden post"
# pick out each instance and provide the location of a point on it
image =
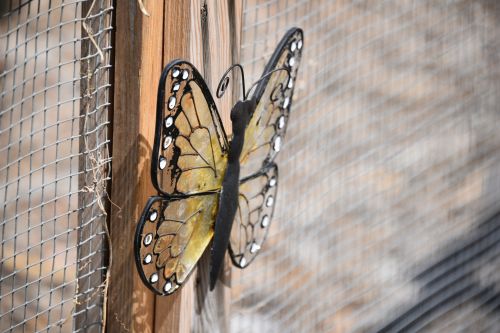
(206, 33)
(138, 64)
(174, 313)
(93, 162)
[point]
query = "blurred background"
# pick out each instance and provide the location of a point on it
(388, 213)
(390, 176)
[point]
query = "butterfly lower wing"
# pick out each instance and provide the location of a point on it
(255, 210)
(267, 126)
(190, 147)
(170, 238)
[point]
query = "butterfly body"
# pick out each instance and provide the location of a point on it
(228, 202)
(211, 190)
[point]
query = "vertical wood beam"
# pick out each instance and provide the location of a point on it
(174, 313)
(92, 246)
(138, 63)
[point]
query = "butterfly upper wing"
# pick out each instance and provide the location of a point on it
(255, 210)
(171, 236)
(190, 147)
(267, 126)
(188, 163)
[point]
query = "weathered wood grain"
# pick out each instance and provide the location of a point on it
(92, 181)
(138, 62)
(174, 313)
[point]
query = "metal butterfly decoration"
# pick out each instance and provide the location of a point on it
(207, 186)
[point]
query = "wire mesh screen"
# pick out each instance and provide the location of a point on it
(54, 163)
(390, 172)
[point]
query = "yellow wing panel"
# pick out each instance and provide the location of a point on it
(255, 210)
(266, 130)
(171, 237)
(191, 148)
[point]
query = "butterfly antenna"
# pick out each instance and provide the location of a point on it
(265, 76)
(224, 81)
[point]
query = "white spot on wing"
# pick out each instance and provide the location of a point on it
(148, 239)
(167, 142)
(272, 182)
(286, 102)
(243, 262)
(281, 122)
(171, 102)
(254, 248)
(163, 163)
(169, 121)
(277, 144)
(265, 221)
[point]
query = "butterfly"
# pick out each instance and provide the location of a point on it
(210, 188)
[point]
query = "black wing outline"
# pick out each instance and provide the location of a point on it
(165, 228)
(293, 34)
(161, 112)
(273, 93)
(153, 272)
(289, 47)
(254, 221)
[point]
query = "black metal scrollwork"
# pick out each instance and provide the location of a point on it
(225, 80)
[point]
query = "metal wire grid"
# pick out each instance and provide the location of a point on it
(54, 165)
(389, 174)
